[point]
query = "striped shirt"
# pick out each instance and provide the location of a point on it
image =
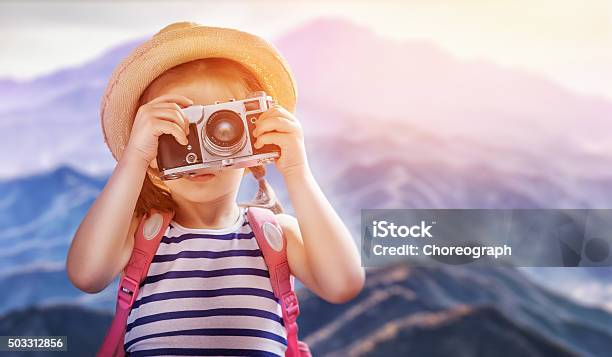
(207, 293)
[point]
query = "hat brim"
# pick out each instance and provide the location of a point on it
(171, 48)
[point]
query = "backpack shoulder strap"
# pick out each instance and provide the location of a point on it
(273, 246)
(146, 241)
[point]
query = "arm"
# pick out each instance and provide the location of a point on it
(320, 248)
(103, 243)
(104, 240)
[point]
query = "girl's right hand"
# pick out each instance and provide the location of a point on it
(162, 115)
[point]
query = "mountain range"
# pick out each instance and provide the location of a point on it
(402, 311)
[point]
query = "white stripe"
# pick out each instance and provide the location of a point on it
(158, 268)
(176, 231)
(241, 322)
(233, 342)
(219, 282)
(233, 228)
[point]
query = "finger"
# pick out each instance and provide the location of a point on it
(171, 115)
(271, 112)
(167, 105)
(174, 106)
(284, 112)
(280, 139)
(277, 111)
(166, 127)
(173, 98)
(279, 124)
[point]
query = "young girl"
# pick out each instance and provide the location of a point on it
(209, 244)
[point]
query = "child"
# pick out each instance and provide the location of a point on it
(208, 245)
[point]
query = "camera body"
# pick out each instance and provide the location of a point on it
(220, 136)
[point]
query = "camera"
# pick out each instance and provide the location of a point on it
(220, 136)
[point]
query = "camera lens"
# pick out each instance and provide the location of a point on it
(224, 133)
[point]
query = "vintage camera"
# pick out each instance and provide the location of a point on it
(220, 136)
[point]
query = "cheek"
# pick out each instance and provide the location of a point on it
(232, 174)
(177, 186)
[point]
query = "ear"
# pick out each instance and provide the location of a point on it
(153, 163)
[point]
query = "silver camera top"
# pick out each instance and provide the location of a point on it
(255, 102)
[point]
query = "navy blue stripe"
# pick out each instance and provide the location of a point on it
(232, 332)
(207, 254)
(228, 236)
(179, 274)
(187, 314)
(181, 294)
(202, 352)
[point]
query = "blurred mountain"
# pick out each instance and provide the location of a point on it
(63, 85)
(40, 214)
(39, 217)
(408, 167)
(349, 69)
(409, 311)
(54, 119)
(460, 312)
(591, 286)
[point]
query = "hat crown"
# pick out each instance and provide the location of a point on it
(177, 26)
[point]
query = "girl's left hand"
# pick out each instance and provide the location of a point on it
(279, 127)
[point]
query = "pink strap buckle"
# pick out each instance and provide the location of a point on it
(291, 305)
(128, 289)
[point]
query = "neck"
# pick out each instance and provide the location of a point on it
(219, 213)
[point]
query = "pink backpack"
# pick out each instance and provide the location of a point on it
(150, 231)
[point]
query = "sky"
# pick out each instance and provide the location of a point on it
(569, 41)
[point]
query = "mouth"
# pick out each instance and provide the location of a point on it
(202, 177)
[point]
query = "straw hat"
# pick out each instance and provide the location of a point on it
(179, 43)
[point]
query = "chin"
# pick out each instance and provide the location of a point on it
(206, 187)
(198, 194)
